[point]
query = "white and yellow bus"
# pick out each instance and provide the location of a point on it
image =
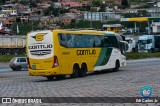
(57, 53)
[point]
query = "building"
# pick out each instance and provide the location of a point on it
(71, 4)
(9, 9)
(101, 16)
(68, 17)
(152, 11)
(43, 5)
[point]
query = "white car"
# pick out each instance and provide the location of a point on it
(18, 63)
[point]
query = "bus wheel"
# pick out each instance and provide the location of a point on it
(50, 78)
(83, 71)
(59, 77)
(75, 72)
(117, 65)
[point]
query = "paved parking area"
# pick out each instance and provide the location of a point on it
(124, 83)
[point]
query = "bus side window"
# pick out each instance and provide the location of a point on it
(97, 41)
(82, 41)
(89, 41)
(106, 42)
(113, 41)
(73, 41)
(63, 40)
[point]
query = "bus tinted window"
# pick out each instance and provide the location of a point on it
(63, 40)
(110, 41)
(113, 41)
(73, 41)
(97, 41)
(106, 42)
(82, 41)
(87, 41)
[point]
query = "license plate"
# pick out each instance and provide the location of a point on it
(34, 67)
(41, 73)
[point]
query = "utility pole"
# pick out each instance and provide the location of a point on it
(157, 9)
(91, 20)
(91, 16)
(32, 25)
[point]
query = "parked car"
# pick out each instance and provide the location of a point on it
(18, 63)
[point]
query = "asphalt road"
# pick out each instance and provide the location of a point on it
(4, 67)
(124, 83)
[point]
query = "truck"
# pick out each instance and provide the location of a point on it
(12, 45)
(149, 43)
(156, 27)
(131, 44)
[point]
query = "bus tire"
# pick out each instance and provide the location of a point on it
(59, 77)
(75, 72)
(83, 71)
(50, 78)
(117, 66)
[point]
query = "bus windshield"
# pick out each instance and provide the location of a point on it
(145, 41)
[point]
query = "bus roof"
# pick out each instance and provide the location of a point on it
(77, 31)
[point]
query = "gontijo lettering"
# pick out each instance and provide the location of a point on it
(86, 52)
(44, 46)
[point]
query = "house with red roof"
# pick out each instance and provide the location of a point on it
(71, 4)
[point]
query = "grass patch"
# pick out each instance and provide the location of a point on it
(142, 55)
(7, 58)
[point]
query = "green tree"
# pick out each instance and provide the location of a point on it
(129, 15)
(73, 23)
(2, 1)
(55, 11)
(25, 27)
(143, 13)
(62, 11)
(33, 4)
(96, 2)
(84, 8)
(124, 4)
(102, 8)
(23, 2)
